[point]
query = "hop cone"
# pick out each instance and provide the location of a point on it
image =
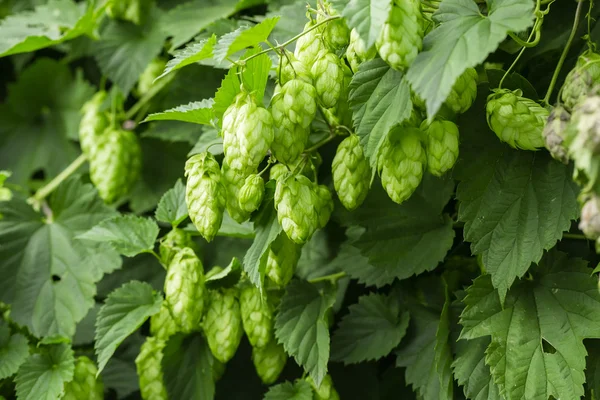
(152, 71)
(247, 140)
(223, 324)
(328, 76)
(336, 33)
(282, 260)
(401, 38)
(257, 317)
(590, 218)
(149, 369)
(351, 173)
(92, 123)
(323, 204)
(278, 171)
(326, 391)
(296, 207)
(162, 325)
(516, 120)
(234, 180)
(292, 68)
(293, 109)
(582, 138)
(251, 194)
(84, 384)
(173, 241)
(357, 52)
(269, 361)
(441, 143)
(554, 133)
(184, 290)
(115, 164)
(341, 113)
(581, 79)
(463, 93)
(401, 163)
(205, 194)
(310, 45)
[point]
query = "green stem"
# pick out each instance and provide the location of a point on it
(331, 277)
(522, 43)
(563, 56)
(535, 29)
(154, 90)
(43, 192)
(576, 236)
(320, 143)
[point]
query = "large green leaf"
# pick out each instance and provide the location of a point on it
(172, 207)
(14, 350)
(244, 37)
(191, 54)
(372, 329)
(536, 348)
(464, 39)
(46, 25)
(197, 112)
(368, 17)
(39, 118)
(44, 374)
(124, 311)
(471, 371)
(48, 277)
(301, 326)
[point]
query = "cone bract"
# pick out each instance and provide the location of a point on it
(223, 324)
(351, 173)
(282, 260)
(401, 38)
(149, 369)
(84, 384)
(257, 317)
(441, 144)
(269, 361)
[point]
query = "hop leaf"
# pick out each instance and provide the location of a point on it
(351, 173)
(554, 133)
(149, 369)
(257, 317)
(296, 204)
(184, 290)
(115, 163)
(269, 361)
(92, 124)
(162, 324)
(441, 143)
(223, 324)
(516, 120)
(282, 260)
(251, 194)
(328, 76)
(205, 194)
(84, 384)
(401, 162)
(401, 38)
(581, 78)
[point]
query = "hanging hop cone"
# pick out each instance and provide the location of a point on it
(326, 391)
(296, 204)
(292, 68)
(278, 171)
(269, 361)
(323, 203)
(152, 71)
(328, 76)
(162, 324)
(582, 139)
(441, 144)
(463, 92)
(184, 290)
(554, 133)
(223, 324)
(234, 180)
(84, 384)
(149, 369)
(92, 124)
(590, 218)
(401, 38)
(311, 45)
(115, 163)
(205, 194)
(282, 260)
(581, 79)
(401, 162)
(172, 242)
(257, 316)
(516, 120)
(357, 51)
(293, 109)
(351, 173)
(336, 33)
(252, 192)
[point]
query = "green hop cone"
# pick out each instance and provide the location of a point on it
(310, 45)
(247, 139)
(173, 241)
(328, 76)
(401, 38)
(115, 163)
(269, 361)
(582, 139)
(278, 171)
(341, 113)
(205, 194)
(357, 51)
(184, 290)
(234, 180)
(92, 124)
(324, 201)
(441, 144)
(257, 316)
(554, 133)
(326, 391)
(149, 369)
(463, 92)
(581, 79)
(251, 194)
(351, 173)
(296, 207)
(590, 218)
(401, 163)
(84, 384)
(516, 120)
(152, 71)
(162, 324)
(336, 33)
(223, 324)
(292, 68)
(293, 109)
(282, 260)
